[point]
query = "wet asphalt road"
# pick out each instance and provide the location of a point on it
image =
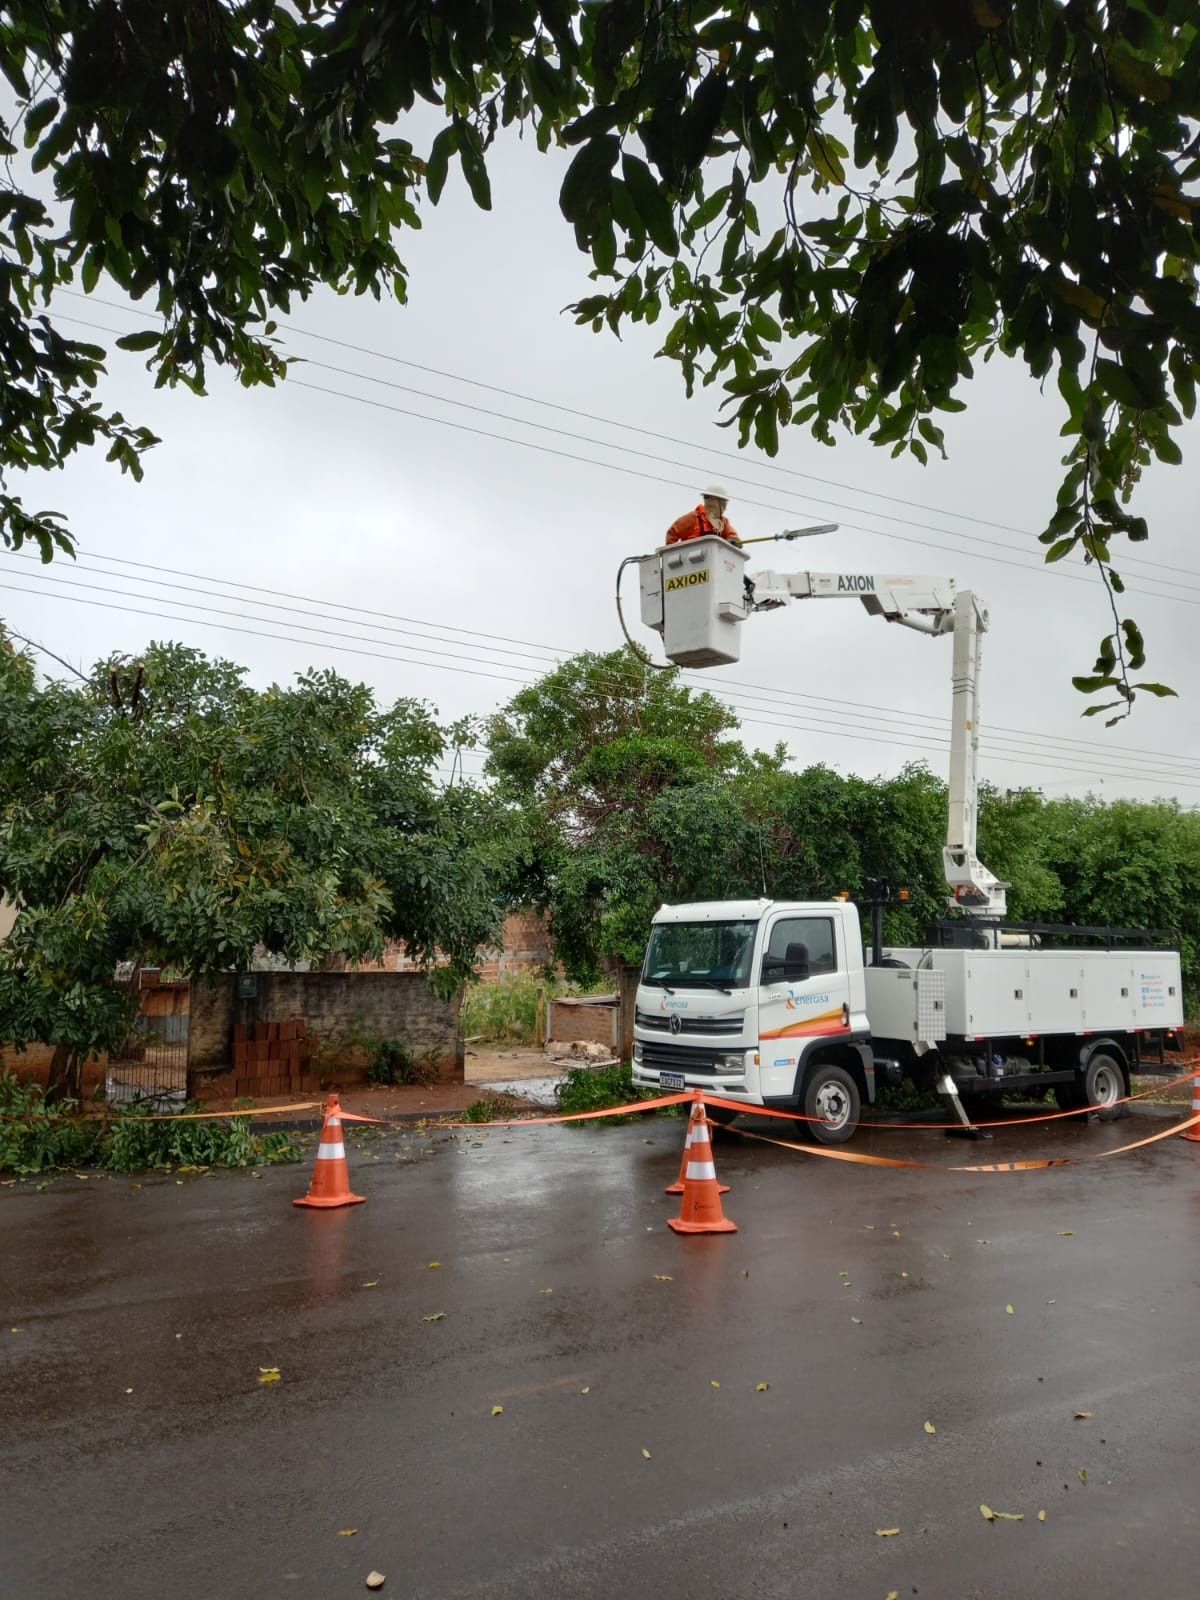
(205, 1483)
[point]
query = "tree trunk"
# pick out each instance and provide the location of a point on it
(66, 1075)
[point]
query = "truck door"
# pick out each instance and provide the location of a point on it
(804, 988)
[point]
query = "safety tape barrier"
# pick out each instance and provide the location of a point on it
(858, 1158)
(618, 1111)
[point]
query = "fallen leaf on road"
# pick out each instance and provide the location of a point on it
(1068, 1235)
(434, 1316)
(1051, 1302)
(886, 1533)
(82, 1176)
(662, 1277)
(858, 1320)
(434, 1265)
(375, 1580)
(843, 1274)
(1083, 1474)
(895, 1233)
(129, 1391)
(1041, 1516)
(1082, 1416)
(646, 1453)
(929, 1428)
(1010, 1311)
(347, 1533)
(986, 1511)
(904, 1274)
(713, 1384)
(586, 1390)
(892, 1594)
(497, 1411)
(16, 1330)
(849, 1285)
(374, 1284)
(547, 1291)
(760, 1387)
(983, 1241)
(869, 1226)
(268, 1374)
(745, 1271)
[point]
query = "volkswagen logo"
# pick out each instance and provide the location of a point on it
(676, 1023)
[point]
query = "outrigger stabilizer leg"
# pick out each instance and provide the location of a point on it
(968, 1129)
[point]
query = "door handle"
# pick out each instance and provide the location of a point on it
(845, 1013)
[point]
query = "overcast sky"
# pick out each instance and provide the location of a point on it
(448, 534)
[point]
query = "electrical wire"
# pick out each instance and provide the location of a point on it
(688, 484)
(768, 697)
(627, 427)
(753, 717)
(764, 693)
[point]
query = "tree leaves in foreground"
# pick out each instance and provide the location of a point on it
(166, 813)
(837, 209)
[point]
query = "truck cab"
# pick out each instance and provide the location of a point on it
(762, 1001)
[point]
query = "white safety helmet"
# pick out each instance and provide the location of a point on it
(717, 491)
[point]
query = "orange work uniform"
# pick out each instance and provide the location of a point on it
(695, 524)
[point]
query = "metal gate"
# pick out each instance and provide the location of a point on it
(151, 1068)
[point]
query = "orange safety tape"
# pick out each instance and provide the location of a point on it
(858, 1159)
(911, 1127)
(185, 1116)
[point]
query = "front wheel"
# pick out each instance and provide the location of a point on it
(832, 1103)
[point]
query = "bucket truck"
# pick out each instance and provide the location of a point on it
(776, 1003)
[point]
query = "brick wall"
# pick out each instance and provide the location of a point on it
(333, 1006)
(588, 1024)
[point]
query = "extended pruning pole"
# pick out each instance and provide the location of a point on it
(792, 533)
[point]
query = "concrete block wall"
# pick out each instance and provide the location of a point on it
(334, 1006)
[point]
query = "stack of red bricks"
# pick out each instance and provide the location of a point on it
(273, 1058)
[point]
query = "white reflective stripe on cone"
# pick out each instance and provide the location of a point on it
(700, 1169)
(331, 1152)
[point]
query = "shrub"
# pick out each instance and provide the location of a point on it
(58, 1137)
(492, 1108)
(392, 1062)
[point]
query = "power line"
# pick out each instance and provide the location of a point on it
(627, 427)
(999, 736)
(769, 695)
(753, 716)
(688, 485)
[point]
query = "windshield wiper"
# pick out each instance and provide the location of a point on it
(661, 983)
(714, 983)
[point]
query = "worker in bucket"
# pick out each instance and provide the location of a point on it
(708, 517)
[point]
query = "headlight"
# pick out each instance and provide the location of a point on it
(637, 1055)
(733, 1063)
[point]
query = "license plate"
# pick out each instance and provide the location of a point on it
(670, 1080)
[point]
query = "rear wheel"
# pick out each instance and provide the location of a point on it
(1103, 1086)
(832, 1102)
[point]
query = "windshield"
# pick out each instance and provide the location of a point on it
(700, 953)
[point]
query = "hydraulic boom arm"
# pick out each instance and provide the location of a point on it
(697, 599)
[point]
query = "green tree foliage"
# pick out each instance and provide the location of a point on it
(837, 209)
(165, 812)
(611, 830)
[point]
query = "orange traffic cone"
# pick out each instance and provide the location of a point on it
(677, 1186)
(1194, 1133)
(331, 1177)
(700, 1210)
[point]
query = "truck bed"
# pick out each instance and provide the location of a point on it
(1005, 993)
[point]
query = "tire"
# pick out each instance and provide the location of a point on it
(830, 1094)
(1103, 1082)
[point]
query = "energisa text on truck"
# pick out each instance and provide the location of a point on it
(774, 1003)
